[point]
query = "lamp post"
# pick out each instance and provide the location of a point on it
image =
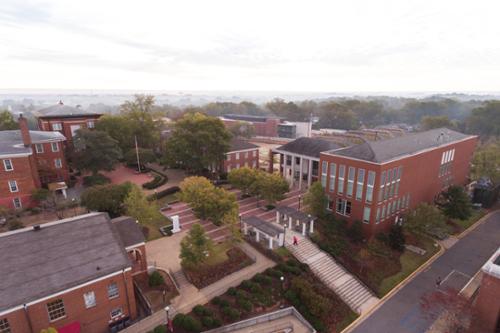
(282, 279)
(300, 197)
(167, 308)
(241, 224)
(284, 235)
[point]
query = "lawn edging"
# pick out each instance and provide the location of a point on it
(410, 277)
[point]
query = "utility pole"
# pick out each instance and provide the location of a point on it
(137, 154)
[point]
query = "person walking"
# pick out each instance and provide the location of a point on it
(438, 282)
(295, 241)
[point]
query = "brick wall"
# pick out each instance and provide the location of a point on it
(46, 124)
(46, 163)
(240, 159)
(23, 175)
(488, 303)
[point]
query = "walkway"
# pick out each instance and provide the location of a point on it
(359, 298)
(402, 312)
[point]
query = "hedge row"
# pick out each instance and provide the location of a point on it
(163, 193)
(157, 181)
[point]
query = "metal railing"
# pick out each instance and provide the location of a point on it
(174, 280)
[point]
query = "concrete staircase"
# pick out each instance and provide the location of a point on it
(180, 279)
(347, 287)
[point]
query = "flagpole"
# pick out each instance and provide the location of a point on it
(137, 154)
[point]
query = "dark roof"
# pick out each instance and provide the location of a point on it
(386, 150)
(11, 141)
(128, 230)
(295, 213)
(238, 144)
(61, 255)
(62, 110)
(309, 146)
(268, 228)
(250, 118)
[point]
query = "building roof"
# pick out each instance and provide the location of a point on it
(11, 141)
(309, 146)
(128, 230)
(238, 144)
(386, 150)
(247, 117)
(295, 213)
(268, 228)
(62, 110)
(492, 266)
(61, 255)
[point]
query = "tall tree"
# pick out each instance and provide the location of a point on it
(425, 218)
(288, 110)
(270, 187)
(137, 206)
(242, 129)
(486, 161)
(430, 122)
(316, 200)
(197, 143)
(106, 198)
(336, 115)
(140, 112)
(7, 121)
(95, 151)
(242, 179)
(120, 128)
(485, 120)
(195, 247)
(455, 203)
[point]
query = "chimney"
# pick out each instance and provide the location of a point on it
(61, 102)
(25, 132)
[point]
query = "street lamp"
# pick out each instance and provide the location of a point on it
(300, 196)
(284, 235)
(167, 308)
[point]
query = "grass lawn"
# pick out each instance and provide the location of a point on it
(465, 224)
(410, 261)
(219, 255)
(153, 228)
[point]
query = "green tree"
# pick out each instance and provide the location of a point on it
(140, 113)
(197, 143)
(138, 207)
(145, 156)
(396, 237)
(455, 203)
(336, 115)
(316, 200)
(120, 128)
(242, 130)
(430, 122)
(7, 121)
(425, 218)
(288, 110)
(270, 187)
(106, 198)
(485, 120)
(242, 178)
(95, 151)
(486, 162)
(195, 247)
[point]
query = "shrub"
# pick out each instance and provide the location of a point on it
(255, 288)
(231, 313)
(160, 329)
(232, 291)
(217, 322)
(245, 305)
(14, 224)
(274, 272)
(216, 300)
(262, 279)
(163, 193)
(355, 231)
(246, 284)
(155, 279)
(199, 310)
(187, 322)
(97, 179)
(396, 238)
(157, 181)
(241, 294)
(207, 321)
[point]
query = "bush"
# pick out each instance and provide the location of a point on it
(396, 238)
(14, 225)
(274, 272)
(163, 193)
(246, 284)
(241, 294)
(187, 322)
(156, 279)
(355, 232)
(207, 321)
(231, 313)
(262, 279)
(201, 310)
(216, 300)
(232, 291)
(157, 181)
(244, 304)
(160, 329)
(97, 179)
(217, 322)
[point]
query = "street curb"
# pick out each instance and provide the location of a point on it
(422, 267)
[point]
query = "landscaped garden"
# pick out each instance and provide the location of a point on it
(287, 284)
(157, 288)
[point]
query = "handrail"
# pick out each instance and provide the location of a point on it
(176, 283)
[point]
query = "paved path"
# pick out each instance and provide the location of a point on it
(359, 298)
(402, 313)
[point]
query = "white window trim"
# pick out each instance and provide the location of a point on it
(59, 318)
(20, 203)
(10, 187)
(333, 173)
(89, 299)
(360, 184)
(58, 166)
(56, 126)
(117, 315)
(365, 209)
(39, 145)
(54, 144)
(10, 163)
(341, 180)
(117, 291)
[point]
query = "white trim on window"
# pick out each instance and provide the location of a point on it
(369, 186)
(116, 313)
(56, 310)
(366, 214)
(13, 186)
(54, 146)
(58, 163)
(340, 181)
(333, 171)
(56, 126)
(39, 148)
(89, 299)
(360, 184)
(18, 204)
(7, 165)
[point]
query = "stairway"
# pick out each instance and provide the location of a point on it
(347, 287)
(180, 279)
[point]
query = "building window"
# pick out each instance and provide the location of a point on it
(324, 169)
(89, 299)
(369, 186)
(7, 164)
(366, 215)
(254, 153)
(333, 170)
(113, 290)
(116, 313)
(398, 180)
(57, 127)
(90, 124)
(4, 326)
(382, 185)
(246, 154)
(452, 154)
(382, 216)
(58, 163)
(377, 216)
(330, 204)
(288, 159)
(350, 181)
(39, 148)
(237, 156)
(13, 186)
(17, 203)
(56, 310)
(55, 147)
(361, 181)
(340, 184)
(343, 207)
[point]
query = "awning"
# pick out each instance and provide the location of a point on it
(268, 228)
(70, 328)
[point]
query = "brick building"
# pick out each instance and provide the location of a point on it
(29, 160)
(376, 182)
(74, 275)
(264, 126)
(65, 119)
(241, 154)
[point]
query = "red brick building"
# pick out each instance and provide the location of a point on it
(264, 126)
(29, 160)
(65, 119)
(74, 275)
(487, 304)
(241, 154)
(377, 182)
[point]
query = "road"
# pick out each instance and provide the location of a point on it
(402, 313)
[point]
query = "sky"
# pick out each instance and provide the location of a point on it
(271, 45)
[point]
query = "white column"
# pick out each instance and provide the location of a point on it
(277, 217)
(311, 226)
(281, 239)
(309, 173)
(257, 238)
(245, 228)
(290, 223)
(270, 242)
(300, 176)
(303, 228)
(293, 170)
(64, 193)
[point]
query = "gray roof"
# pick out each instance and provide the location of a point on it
(386, 150)
(128, 230)
(295, 213)
(266, 227)
(238, 144)
(11, 142)
(61, 109)
(309, 146)
(61, 255)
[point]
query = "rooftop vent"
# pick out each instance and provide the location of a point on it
(37, 227)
